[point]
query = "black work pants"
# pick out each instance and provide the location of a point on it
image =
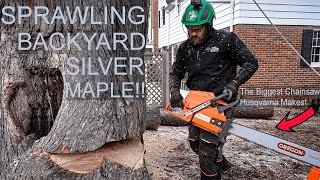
(209, 149)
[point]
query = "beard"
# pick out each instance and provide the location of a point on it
(196, 40)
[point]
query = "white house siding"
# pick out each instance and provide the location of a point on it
(162, 31)
(223, 14)
(177, 32)
(281, 12)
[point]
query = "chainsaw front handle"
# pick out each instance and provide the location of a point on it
(221, 96)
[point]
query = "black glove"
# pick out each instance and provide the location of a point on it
(232, 89)
(176, 99)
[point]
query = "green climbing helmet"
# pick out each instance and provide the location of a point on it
(197, 13)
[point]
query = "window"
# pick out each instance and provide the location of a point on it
(159, 19)
(178, 6)
(163, 15)
(315, 50)
(310, 48)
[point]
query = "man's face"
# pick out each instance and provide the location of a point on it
(196, 33)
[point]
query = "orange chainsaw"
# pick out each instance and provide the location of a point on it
(208, 112)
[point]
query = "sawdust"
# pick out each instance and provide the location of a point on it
(169, 157)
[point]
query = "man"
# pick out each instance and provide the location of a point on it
(210, 58)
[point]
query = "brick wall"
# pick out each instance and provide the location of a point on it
(279, 65)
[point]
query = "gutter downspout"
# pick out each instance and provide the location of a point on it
(168, 28)
(232, 2)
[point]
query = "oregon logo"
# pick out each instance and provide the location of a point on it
(291, 149)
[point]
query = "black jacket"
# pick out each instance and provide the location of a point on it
(212, 64)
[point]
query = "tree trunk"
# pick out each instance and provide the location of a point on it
(253, 112)
(46, 135)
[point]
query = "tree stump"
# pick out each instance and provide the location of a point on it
(44, 134)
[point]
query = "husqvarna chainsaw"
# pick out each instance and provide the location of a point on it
(207, 111)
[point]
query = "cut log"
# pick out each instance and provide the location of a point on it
(170, 120)
(153, 118)
(253, 112)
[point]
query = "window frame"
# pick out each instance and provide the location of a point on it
(161, 17)
(314, 48)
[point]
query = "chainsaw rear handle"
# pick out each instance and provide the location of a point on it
(184, 103)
